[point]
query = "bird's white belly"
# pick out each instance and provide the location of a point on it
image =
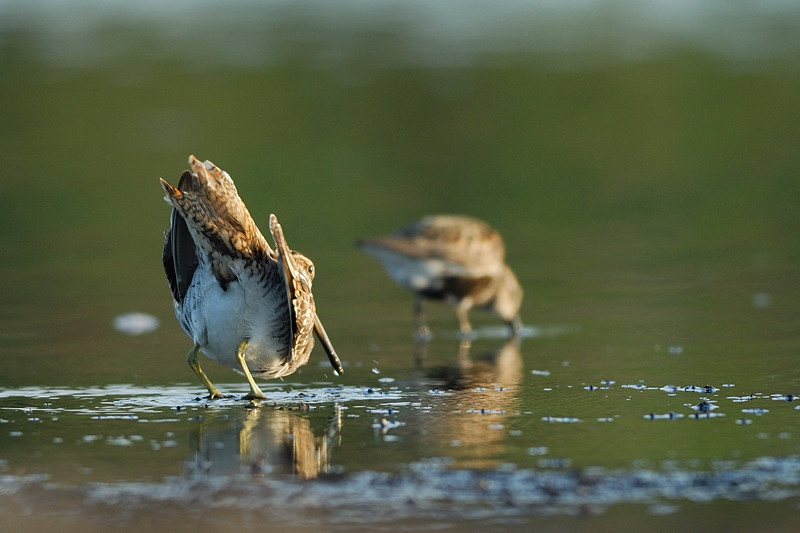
(219, 320)
(412, 272)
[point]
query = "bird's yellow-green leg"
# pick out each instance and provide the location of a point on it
(255, 392)
(191, 358)
(464, 327)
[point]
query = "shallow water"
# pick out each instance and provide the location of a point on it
(646, 192)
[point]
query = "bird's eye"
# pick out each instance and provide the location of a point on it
(310, 269)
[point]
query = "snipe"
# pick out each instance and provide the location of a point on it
(458, 259)
(243, 304)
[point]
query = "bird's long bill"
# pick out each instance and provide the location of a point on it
(326, 343)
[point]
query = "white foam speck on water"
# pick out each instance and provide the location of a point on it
(135, 323)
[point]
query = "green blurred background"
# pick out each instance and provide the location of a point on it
(641, 162)
(640, 159)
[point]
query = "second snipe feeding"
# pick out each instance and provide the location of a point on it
(458, 259)
(243, 304)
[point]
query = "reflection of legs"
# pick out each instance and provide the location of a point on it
(423, 333)
(191, 358)
(255, 392)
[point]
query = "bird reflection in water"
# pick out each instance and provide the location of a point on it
(483, 394)
(501, 367)
(261, 442)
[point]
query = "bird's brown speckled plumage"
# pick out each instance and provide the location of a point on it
(458, 259)
(243, 304)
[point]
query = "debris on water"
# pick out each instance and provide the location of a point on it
(704, 407)
(119, 441)
(637, 386)
(135, 323)
(381, 411)
(675, 350)
(756, 411)
(561, 419)
(375, 370)
(605, 419)
(540, 372)
(486, 411)
(705, 389)
(785, 397)
(744, 421)
(538, 450)
(555, 462)
(386, 380)
(706, 415)
(665, 416)
(386, 424)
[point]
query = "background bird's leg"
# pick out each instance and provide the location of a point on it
(422, 333)
(462, 312)
(255, 392)
(191, 358)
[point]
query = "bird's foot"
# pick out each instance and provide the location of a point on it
(467, 334)
(423, 334)
(215, 394)
(254, 396)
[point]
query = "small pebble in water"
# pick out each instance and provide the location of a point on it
(135, 323)
(762, 300)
